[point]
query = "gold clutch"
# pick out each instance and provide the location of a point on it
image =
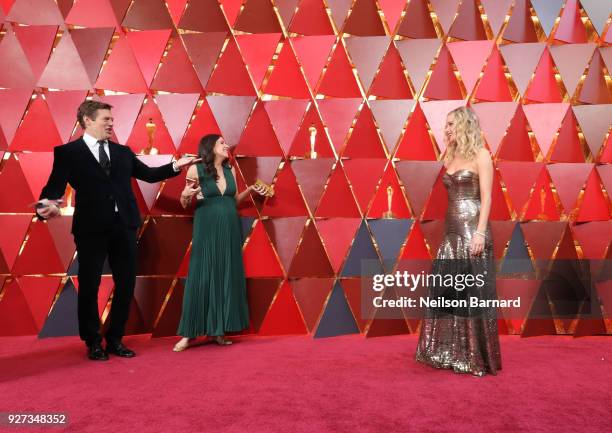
(268, 189)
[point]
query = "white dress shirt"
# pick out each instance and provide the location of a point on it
(94, 147)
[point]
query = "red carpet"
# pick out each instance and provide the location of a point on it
(297, 384)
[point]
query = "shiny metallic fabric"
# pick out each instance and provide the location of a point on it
(462, 339)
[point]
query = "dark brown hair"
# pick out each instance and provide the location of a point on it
(205, 151)
(90, 109)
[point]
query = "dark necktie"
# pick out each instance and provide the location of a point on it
(104, 161)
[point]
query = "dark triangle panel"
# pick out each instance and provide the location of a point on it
(517, 260)
(362, 251)
(337, 318)
(62, 320)
(246, 226)
(390, 235)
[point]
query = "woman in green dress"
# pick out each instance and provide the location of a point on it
(214, 301)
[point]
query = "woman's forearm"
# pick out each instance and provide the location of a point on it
(185, 200)
(485, 210)
(241, 196)
(485, 171)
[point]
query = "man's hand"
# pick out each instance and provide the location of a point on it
(186, 162)
(46, 208)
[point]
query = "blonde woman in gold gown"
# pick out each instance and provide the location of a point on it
(464, 339)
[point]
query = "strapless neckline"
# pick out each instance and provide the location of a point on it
(460, 170)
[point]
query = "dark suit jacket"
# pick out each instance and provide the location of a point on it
(95, 192)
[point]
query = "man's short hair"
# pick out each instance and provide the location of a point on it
(90, 109)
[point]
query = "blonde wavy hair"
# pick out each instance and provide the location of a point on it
(468, 135)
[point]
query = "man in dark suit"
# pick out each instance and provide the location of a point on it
(106, 219)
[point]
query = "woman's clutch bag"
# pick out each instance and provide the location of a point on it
(267, 189)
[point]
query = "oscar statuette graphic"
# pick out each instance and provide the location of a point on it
(542, 215)
(313, 136)
(389, 214)
(151, 128)
(69, 208)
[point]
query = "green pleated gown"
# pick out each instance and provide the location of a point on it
(214, 301)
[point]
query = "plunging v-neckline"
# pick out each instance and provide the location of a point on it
(217, 184)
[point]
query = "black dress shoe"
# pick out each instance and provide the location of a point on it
(96, 353)
(119, 350)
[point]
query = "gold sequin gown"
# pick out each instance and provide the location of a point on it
(462, 339)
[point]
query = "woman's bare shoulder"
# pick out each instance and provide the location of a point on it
(483, 156)
(192, 171)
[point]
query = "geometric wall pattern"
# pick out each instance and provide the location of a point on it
(375, 78)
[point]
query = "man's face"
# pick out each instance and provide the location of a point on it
(101, 127)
